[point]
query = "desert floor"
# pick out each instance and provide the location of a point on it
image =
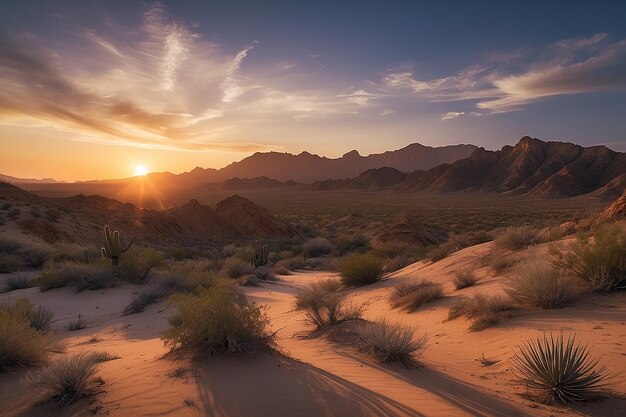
(311, 376)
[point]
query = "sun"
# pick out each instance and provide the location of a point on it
(140, 170)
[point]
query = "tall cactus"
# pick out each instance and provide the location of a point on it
(112, 248)
(257, 255)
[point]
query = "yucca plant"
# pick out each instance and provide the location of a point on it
(556, 370)
(42, 319)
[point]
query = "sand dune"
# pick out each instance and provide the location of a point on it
(312, 376)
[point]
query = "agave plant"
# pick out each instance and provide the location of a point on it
(558, 370)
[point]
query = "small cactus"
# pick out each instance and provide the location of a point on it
(257, 255)
(112, 248)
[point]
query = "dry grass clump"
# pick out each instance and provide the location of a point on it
(535, 282)
(464, 279)
(144, 297)
(482, 310)
(83, 276)
(74, 325)
(601, 263)
(499, 261)
(18, 281)
(325, 306)
(184, 276)
(216, 320)
(361, 269)
(236, 268)
(66, 379)
(18, 252)
(516, 237)
(555, 370)
(387, 342)
(412, 295)
(21, 343)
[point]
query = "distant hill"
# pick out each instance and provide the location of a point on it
(80, 219)
(534, 167)
(16, 180)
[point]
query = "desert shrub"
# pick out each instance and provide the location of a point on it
(20, 343)
(361, 269)
(412, 295)
(53, 215)
(137, 265)
(350, 243)
(147, 295)
(264, 273)
(236, 268)
(482, 310)
(500, 261)
(10, 263)
(229, 250)
(601, 263)
(31, 252)
(555, 370)
(83, 276)
(17, 282)
(292, 264)
(216, 320)
(537, 283)
(444, 250)
(316, 264)
(387, 342)
(66, 379)
(184, 276)
(317, 247)
(74, 325)
(41, 319)
(516, 237)
(325, 306)
(464, 279)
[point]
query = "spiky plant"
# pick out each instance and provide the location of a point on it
(41, 319)
(112, 248)
(555, 370)
(257, 255)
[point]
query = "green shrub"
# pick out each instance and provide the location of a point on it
(185, 276)
(350, 243)
(464, 279)
(387, 342)
(20, 343)
(412, 295)
(216, 320)
(66, 379)
(137, 265)
(82, 276)
(601, 263)
(555, 370)
(535, 282)
(361, 269)
(325, 306)
(483, 311)
(516, 237)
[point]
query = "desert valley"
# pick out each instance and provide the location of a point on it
(312, 209)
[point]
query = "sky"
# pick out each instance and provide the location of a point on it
(91, 89)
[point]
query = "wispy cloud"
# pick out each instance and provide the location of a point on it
(572, 66)
(160, 86)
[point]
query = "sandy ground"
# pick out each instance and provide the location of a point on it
(314, 377)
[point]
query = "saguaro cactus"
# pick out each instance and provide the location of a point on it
(257, 255)
(112, 248)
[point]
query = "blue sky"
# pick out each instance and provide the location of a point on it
(213, 81)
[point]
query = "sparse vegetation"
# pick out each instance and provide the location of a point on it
(317, 247)
(361, 269)
(41, 319)
(20, 342)
(516, 237)
(388, 342)
(535, 282)
(464, 279)
(216, 320)
(500, 261)
(137, 265)
(83, 276)
(483, 311)
(147, 295)
(66, 379)
(236, 268)
(74, 325)
(324, 305)
(17, 282)
(600, 263)
(556, 370)
(412, 295)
